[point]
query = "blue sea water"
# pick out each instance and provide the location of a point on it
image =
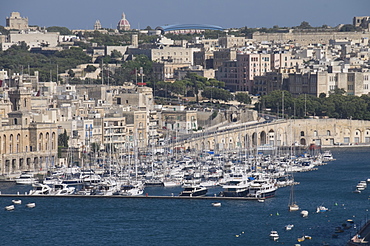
(130, 221)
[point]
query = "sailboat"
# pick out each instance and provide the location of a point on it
(293, 206)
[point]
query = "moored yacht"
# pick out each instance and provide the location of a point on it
(26, 179)
(194, 190)
(236, 188)
(40, 189)
(262, 188)
(62, 189)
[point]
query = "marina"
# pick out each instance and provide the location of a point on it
(161, 217)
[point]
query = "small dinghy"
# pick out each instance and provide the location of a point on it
(17, 201)
(31, 205)
(216, 204)
(9, 208)
(304, 213)
(289, 227)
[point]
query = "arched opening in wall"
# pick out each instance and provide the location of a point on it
(254, 139)
(357, 138)
(41, 140)
(47, 141)
(302, 133)
(196, 146)
(346, 137)
(28, 163)
(212, 147)
(217, 147)
(36, 163)
(14, 166)
(203, 146)
(21, 164)
(208, 147)
(263, 138)
(328, 133)
(271, 138)
(303, 141)
(11, 143)
(7, 166)
(367, 136)
(4, 144)
(247, 143)
(230, 144)
(53, 141)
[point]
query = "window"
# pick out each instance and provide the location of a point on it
(302, 133)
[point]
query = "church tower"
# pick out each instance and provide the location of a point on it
(97, 25)
(123, 24)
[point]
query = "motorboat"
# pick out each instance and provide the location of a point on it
(10, 208)
(327, 156)
(26, 179)
(216, 204)
(17, 201)
(262, 188)
(321, 209)
(289, 227)
(304, 213)
(31, 205)
(194, 190)
(130, 190)
(171, 183)
(236, 188)
(361, 185)
(153, 182)
(274, 235)
(62, 189)
(40, 189)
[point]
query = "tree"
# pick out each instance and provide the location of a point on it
(63, 139)
(90, 68)
(61, 30)
(71, 73)
(349, 28)
(305, 25)
(243, 98)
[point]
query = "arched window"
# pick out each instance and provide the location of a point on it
(302, 133)
(315, 133)
(328, 132)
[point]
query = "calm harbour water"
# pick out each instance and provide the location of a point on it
(109, 221)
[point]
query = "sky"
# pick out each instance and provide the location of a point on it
(82, 14)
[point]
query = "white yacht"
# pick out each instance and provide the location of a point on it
(40, 189)
(274, 235)
(327, 156)
(262, 188)
(194, 190)
(26, 179)
(61, 189)
(236, 188)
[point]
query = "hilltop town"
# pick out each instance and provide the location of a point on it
(82, 93)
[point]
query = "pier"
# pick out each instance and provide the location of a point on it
(136, 197)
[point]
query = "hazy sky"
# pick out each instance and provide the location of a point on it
(82, 14)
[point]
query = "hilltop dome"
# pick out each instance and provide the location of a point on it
(123, 24)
